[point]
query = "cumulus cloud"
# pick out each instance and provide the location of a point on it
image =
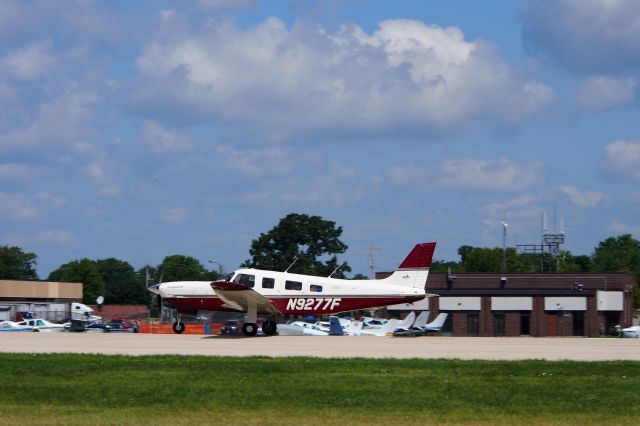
(490, 175)
(17, 207)
(406, 75)
(622, 159)
(31, 61)
(470, 174)
(583, 198)
(163, 140)
(590, 36)
(602, 92)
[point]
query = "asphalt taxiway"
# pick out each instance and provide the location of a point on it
(489, 348)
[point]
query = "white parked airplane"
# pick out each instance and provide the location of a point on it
(390, 326)
(274, 293)
(633, 332)
(436, 324)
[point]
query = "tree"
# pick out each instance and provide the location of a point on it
(617, 254)
(122, 284)
(313, 240)
(15, 264)
(183, 268)
(83, 271)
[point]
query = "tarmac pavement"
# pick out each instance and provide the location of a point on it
(429, 347)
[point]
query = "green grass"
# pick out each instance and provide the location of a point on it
(98, 389)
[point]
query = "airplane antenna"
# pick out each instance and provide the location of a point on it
(292, 263)
(334, 271)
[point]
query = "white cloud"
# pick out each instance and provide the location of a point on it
(602, 92)
(405, 75)
(16, 171)
(174, 215)
(619, 227)
(591, 36)
(583, 198)
(17, 207)
(470, 174)
(622, 159)
(31, 61)
(488, 175)
(54, 236)
(163, 140)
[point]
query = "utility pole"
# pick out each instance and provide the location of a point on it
(504, 243)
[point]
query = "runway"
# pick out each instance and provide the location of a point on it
(487, 348)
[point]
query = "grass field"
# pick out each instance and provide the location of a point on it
(109, 390)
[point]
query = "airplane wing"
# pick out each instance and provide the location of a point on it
(240, 297)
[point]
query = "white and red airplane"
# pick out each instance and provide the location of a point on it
(256, 291)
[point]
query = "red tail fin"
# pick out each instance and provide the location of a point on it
(420, 257)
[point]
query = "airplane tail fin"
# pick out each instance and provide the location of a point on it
(413, 271)
(437, 323)
(421, 319)
(335, 329)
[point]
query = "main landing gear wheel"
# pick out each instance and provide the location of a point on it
(269, 328)
(249, 329)
(178, 327)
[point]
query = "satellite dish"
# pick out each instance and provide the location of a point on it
(100, 300)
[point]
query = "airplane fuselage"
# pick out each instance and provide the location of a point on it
(291, 294)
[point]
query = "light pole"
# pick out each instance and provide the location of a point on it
(216, 263)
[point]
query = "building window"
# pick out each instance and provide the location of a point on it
(315, 287)
(268, 282)
(498, 325)
(245, 279)
(293, 285)
(473, 324)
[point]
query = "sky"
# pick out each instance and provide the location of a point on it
(138, 130)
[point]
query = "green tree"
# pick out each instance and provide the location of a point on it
(15, 264)
(444, 266)
(83, 271)
(122, 284)
(313, 240)
(617, 254)
(180, 268)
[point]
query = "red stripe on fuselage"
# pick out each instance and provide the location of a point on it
(289, 305)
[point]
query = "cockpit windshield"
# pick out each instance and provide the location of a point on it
(228, 276)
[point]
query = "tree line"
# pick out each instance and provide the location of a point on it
(306, 245)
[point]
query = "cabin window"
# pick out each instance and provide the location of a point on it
(268, 282)
(293, 285)
(245, 279)
(315, 287)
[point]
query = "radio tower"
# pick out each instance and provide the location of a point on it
(372, 261)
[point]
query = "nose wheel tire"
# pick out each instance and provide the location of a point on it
(249, 329)
(178, 327)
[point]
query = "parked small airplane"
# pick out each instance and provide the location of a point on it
(390, 326)
(415, 329)
(436, 324)
(633, 332)
(274, 293)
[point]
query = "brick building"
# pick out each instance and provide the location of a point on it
(531, 304)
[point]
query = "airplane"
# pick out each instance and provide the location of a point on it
(256, 291)
(436, 324)
(415, 329)
(390, 326)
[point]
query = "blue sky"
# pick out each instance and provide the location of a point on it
(138, 130)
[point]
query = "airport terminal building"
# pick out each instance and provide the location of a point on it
(488, 304)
